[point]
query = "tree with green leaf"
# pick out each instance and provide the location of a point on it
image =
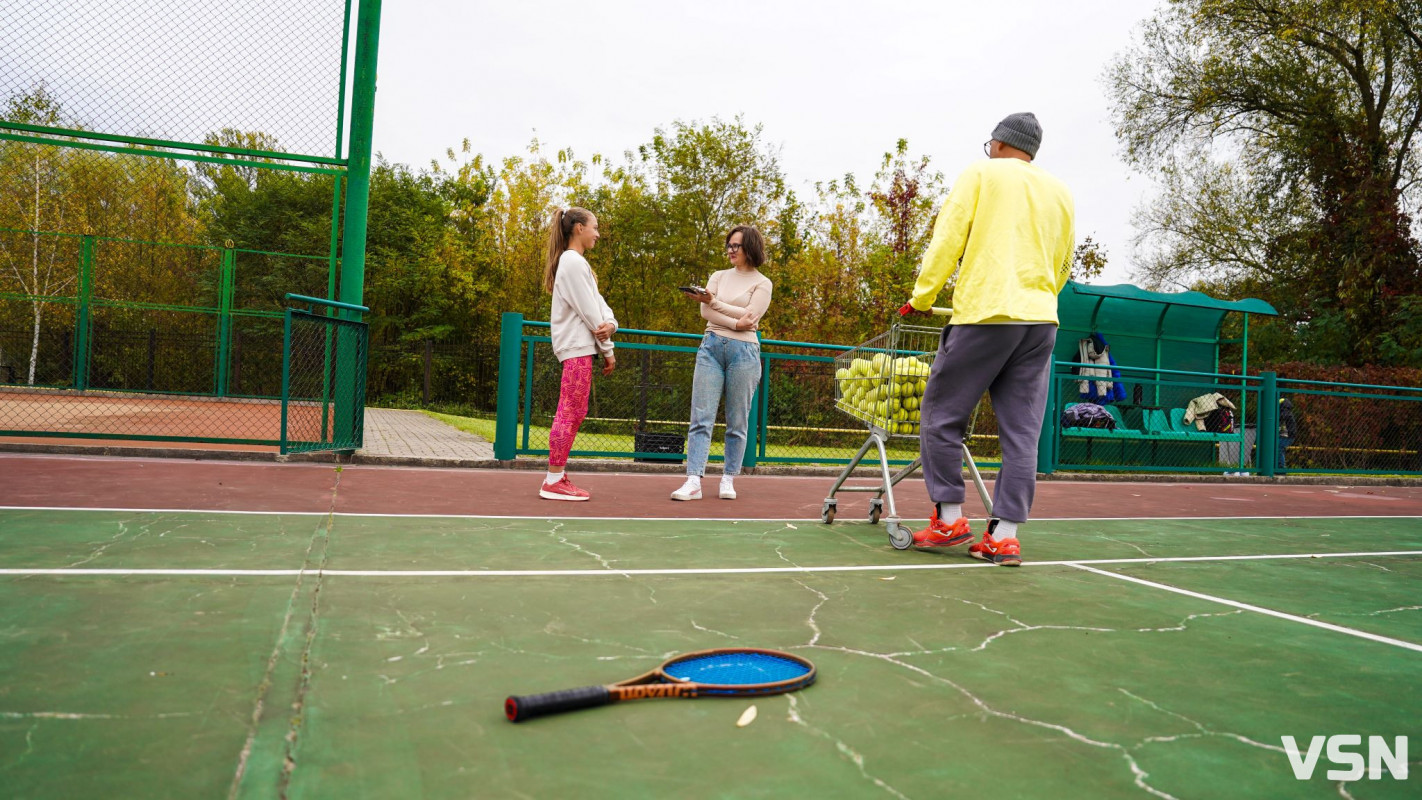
(1287, 136)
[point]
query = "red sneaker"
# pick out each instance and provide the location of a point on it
(940, 534)
(562, 490)
(1004, 552)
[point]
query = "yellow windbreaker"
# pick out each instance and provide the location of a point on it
(1012, 226)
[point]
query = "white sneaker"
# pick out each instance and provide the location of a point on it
(728, 490)
(691, 490)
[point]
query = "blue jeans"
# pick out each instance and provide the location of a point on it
(1284, 442)
(723, 366)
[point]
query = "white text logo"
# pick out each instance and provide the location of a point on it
(1378, 754)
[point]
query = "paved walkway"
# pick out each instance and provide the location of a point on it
(410, 434)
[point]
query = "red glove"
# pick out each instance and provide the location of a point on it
(907, 310)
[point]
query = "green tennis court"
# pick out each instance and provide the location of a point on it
(187, 654)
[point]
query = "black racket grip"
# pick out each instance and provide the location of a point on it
(518, 709)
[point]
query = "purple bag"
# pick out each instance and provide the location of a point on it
(1088, 415)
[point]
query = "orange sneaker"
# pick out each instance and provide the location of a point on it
(940, 534)
(1004, 552)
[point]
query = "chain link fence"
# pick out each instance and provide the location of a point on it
(1332, 428)
(181, 71)
(643, 409)
(132, 305)
(453, 377)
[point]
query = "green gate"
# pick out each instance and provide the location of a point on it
(321, 351)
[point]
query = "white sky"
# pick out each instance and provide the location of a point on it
(835, 84)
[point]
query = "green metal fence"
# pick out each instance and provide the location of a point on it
(642, 410)
(1350, 429)
(125, 129)
(1337, 428)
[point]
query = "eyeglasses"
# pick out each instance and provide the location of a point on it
(733, 247)
(987, 148)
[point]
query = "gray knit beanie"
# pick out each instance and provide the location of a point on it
(1021, 131)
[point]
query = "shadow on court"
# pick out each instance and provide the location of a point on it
(196, 652)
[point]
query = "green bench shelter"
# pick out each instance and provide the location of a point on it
(1167, 345)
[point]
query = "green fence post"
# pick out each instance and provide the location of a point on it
(506, 423)
(1266, 436)
(753, 426)
(1047, 444)
(82, 322)
(357, 207)
(285, 376)
(224, 316)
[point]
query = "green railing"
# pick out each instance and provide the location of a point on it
(1340, 429)
(642, 410)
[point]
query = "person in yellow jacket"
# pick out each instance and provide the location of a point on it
(1007, 229)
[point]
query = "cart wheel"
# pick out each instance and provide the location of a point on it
(899, 536)
(827, 512)
(876, 509)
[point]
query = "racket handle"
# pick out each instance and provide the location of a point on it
(518, 709)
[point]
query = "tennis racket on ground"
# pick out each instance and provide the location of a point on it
(730, 672)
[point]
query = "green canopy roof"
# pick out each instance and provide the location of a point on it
(1126, 291)
(1164, 330)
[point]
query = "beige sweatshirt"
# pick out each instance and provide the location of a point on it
(733, 293)
(578, 308)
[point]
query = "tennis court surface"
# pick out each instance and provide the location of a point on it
(209, 629)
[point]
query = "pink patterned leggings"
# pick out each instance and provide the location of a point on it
(572, 407)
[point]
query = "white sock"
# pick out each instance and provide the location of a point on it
(727, 480)
(694, 480)
(553, 477)
(949, 512)
(1004, 530)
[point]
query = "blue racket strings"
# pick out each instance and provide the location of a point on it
(737, 669)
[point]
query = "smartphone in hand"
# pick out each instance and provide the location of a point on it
(692, 289)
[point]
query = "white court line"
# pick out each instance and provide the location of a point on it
(1256, 609)
(668, 519)
(619, 573)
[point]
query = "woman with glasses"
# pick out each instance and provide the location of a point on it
(728, 362)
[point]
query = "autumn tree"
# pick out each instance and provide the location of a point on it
(1286, 134)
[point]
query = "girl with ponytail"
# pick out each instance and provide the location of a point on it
(582, 325)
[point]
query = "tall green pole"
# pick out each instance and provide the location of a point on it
(82, 322)
(357, 205)
(224, 316)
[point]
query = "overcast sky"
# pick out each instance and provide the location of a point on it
(835, 84)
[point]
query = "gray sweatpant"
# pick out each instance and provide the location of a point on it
(1010, 363)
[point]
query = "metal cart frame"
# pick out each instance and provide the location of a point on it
(893, 352)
